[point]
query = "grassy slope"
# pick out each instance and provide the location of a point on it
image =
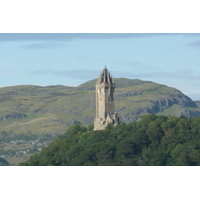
(34, 110)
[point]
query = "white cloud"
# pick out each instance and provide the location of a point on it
(46, 45)
(77, 74)
(194, 44)
(179, 75)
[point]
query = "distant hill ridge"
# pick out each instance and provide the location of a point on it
(120, 83)
(31, 116)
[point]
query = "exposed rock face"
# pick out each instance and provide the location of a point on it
(28, 112)
(12, 116)
(134, 98)
(158, 100)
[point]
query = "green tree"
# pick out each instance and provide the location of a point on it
(152, 141)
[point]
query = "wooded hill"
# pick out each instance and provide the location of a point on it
(152, 141)
(32, 116)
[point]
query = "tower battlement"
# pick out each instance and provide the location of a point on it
(105, 113)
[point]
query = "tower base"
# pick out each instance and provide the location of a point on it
(100, 124)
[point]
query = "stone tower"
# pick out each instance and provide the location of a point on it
(105, 112)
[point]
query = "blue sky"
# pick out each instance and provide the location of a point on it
(71, 59)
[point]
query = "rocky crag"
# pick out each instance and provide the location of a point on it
(32, 116)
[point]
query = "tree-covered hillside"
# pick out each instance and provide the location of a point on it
(32, 116)
(152, 141)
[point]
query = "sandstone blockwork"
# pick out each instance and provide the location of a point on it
(105, 110)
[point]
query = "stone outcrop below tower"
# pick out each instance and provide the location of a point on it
(105, 112)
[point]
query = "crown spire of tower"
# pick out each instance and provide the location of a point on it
(105, 76)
